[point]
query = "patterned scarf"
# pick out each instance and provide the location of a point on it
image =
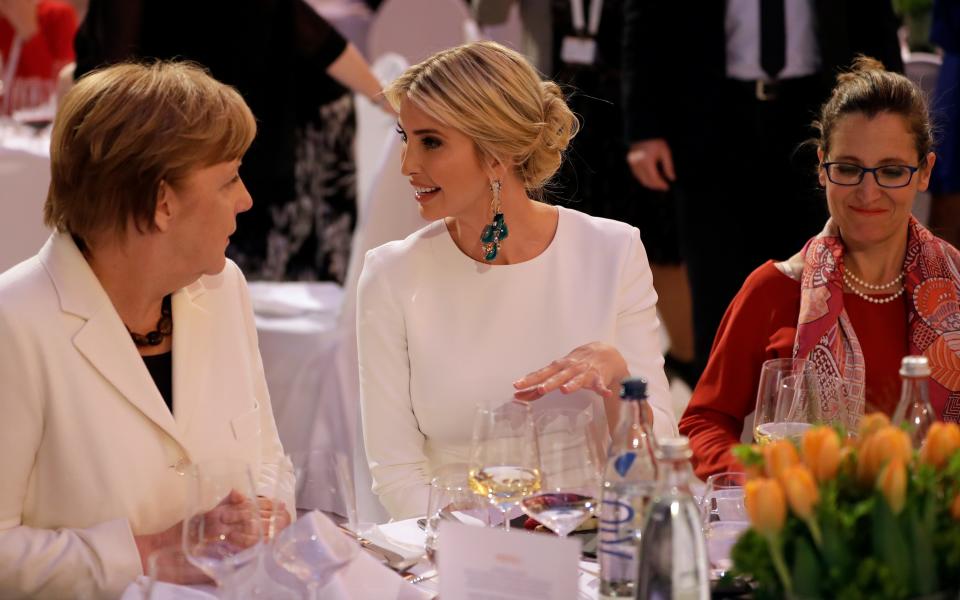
(932, 286)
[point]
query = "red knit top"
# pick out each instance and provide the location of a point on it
(760, 324)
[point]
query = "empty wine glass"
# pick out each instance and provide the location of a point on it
(504, 457)
(724, 517)
(768, 425)
(451, 499)
(222, 529)
(324, 476)
(571, 470)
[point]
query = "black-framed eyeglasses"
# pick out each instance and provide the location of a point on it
(887, 176)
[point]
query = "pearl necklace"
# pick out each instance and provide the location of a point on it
(890, 298)
(871, 286)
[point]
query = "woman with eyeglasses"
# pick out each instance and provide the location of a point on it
(872, 287)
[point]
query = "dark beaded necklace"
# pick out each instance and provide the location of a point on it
(164, 327)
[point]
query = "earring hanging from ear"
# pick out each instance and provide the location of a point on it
(496, 231)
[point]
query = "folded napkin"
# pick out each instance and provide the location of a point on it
(403, 537)
(291, 299)
(364, 577)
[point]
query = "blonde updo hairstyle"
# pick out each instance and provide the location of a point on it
(494, 96)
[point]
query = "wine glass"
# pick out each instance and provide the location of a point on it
(766, 422)
(222, 530)
(571, 470)
(806, 400)
(451, 498)
(324, 476)
(724, 517)
(504, 457)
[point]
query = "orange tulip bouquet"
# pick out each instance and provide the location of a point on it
(851, 518)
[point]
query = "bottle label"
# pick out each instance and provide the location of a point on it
(623, 463)
(616, 534)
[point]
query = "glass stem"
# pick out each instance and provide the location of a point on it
(506, 520)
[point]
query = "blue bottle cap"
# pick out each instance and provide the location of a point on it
(634, 388)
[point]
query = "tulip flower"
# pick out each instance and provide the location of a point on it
(880, 448)
(892, 483)
(943, 439)
(871, 424)
(801, 490)
(766, 505)
(802, 496)
(955, 508)
(821, 452)
(778, 456)
(767, 510)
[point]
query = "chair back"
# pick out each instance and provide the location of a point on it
(415, 29)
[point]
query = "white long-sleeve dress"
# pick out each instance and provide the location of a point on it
(439, 332)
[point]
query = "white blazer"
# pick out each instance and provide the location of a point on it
(90, 455)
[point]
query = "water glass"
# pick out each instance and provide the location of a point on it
(170, 565)
(451, 499)
(222, 529)
(724, 517)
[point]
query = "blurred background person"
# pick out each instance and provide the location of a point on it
(127, 344)
(36, 42)
(871, 288)
(724, 95)
(594, 178)
(945, 184)
(293, 69)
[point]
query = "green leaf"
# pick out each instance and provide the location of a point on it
(806, 574)
(748, 455)
(925, 579)
(890, 547)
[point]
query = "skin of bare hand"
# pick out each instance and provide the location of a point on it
(651, 162)
(274, 516)
(595, 366)
(231, 519)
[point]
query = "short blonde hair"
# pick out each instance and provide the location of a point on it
(495, 97)
(123, 129)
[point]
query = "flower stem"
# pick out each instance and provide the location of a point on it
(815, 532)
(776, 553)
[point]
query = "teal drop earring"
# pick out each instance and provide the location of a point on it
(496, 231)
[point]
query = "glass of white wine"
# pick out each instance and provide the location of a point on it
(768, 424)
(504, 456)
(571, 470)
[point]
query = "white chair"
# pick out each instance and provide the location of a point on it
(311, 359)
(415, 29)
(24, 179)
(374, 128)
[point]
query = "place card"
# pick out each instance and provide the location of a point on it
(477, 563)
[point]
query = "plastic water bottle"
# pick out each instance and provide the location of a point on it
(628, 484)
(673, 553)
(914, 407)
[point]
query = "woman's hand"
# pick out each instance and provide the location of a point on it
(595, 366)
(232, 518)
(273, 515)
